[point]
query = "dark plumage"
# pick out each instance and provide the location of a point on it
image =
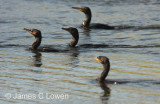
(106, 64)
(38, 38)
(86, 22)
(75, 35)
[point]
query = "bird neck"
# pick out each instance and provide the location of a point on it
(36, 43)
(87, 20)
(105, 72)
(74, 41)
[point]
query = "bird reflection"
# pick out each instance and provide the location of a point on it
(37, 61)
(86, 32)
(106, 94)
(73, 59)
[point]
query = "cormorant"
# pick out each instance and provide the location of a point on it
(106, 65)
(86, 22)
(38, 38)
(75, 36)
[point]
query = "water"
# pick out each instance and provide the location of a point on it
(39, 77)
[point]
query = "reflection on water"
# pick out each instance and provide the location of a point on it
(106, 94)
(74, 60)
(37, 61)
(133, 52)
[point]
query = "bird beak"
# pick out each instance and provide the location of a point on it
(29, 30)
(66, 29)
(78, 8)
(96, 58)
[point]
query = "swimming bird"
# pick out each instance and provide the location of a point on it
(75, 36)
(38, 38)
(86, 22)
(106, 65)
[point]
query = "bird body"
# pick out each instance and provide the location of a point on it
(106, 65)
(75, 36)
(86, 22)
(38, 38)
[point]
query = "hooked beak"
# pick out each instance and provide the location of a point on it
(66, 29)
(78, 8)
(96, 59)
(29, 30)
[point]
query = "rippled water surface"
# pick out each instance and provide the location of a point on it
(38, 77)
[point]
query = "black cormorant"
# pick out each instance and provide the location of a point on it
(106, 65)
(75, 35)
(38, 38)
(86, 22)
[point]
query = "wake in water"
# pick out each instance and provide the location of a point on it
(116, 46)
(130, 81)
(138, 27)
(82, 46)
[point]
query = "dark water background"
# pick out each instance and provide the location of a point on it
(134, 53)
